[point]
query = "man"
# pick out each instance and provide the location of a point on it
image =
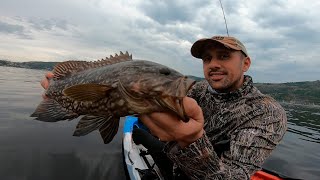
(233, 127)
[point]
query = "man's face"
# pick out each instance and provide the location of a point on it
(224, 68)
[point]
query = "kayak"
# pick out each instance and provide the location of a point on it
(138, 163)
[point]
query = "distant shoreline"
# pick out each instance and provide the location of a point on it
(302, 93)
(29, 65)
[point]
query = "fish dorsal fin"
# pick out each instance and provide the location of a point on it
(64, 69)
(87, 92)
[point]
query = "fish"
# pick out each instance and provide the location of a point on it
(103, 91)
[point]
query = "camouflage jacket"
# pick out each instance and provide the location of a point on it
(250, 123)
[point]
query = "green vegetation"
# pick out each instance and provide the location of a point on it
(307, 92)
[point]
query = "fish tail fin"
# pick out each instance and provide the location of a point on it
(51, 111)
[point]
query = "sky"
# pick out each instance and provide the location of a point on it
(282, 36)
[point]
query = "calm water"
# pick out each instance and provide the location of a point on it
(32, 150)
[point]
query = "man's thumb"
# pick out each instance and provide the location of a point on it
(192, 109)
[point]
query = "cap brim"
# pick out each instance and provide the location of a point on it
(198, 47)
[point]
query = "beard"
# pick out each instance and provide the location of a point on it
(222, 81)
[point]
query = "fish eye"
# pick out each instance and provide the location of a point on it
(165, 71)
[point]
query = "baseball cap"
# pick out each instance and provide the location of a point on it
(229, 42)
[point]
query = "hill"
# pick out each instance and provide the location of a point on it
(29, 65)
(307, 92)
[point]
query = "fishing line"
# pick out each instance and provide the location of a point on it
(225, 21)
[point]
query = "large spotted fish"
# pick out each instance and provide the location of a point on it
(105, 90)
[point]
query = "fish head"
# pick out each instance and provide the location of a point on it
(164, 86)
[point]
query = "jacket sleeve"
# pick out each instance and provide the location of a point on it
(250, 145)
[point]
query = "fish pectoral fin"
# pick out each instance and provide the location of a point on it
(109, 129)
(89, 123)
(51, 111)
(87, 92)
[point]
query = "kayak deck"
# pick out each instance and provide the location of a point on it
(261, 175)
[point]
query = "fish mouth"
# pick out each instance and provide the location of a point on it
(184, 86)
(175, 103)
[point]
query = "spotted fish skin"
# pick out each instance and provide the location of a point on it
(105, 90)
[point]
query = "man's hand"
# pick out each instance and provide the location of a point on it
(45, 82)
(168, 127)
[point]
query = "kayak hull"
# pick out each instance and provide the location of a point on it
(136, 159)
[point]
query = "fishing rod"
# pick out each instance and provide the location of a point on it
(225, 20)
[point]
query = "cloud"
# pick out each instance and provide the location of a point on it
(278, 34)
(13, 29)
(48, 24)
(166, 12)
(9, 28)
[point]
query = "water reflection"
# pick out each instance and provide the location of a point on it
(297, 155)
(304, 121)
(69, 165)
(37, 150)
